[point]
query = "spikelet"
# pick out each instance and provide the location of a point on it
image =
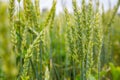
(37, 8)
(37, 13)
(30, 14)
(11, 9)
(26, 4)
(24, 41)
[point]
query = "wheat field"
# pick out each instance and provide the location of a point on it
(35, 45)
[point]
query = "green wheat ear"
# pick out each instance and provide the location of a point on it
(67, 38)
(11, 18)
(51, 13)
(50, 29)
(70, 43)
(89, 40)
(37, 11)
(47, 25)
(11, 9)
(37, 8)
(30, 13)
(99, 41)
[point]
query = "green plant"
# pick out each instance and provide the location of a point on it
(68, 46)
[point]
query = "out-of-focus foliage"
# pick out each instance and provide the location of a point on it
(115, 35)
(115, 71)
(116, 40)
(7, 57)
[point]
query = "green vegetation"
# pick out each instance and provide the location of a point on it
(83, 45)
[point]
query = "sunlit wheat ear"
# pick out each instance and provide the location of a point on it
(37, 13)
(37, 8)
(24, 41)
(11, 9)
(89, 40)
(29, 54)
(51, 13)
(77, 33)
(26, 4)
(83, 39)
(83, 24)
(68, 28)
(11, 18)
(13, 31)
(70, 42)
(99, 40)
(46, 35)
(48, 22)
(67, 38)
(46, 25)
(78, 29)
(30, 13)
(50, 27)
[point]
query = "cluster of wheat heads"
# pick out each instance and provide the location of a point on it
(85, 34)
(60, 47)
(28, 36)
(107, 51)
